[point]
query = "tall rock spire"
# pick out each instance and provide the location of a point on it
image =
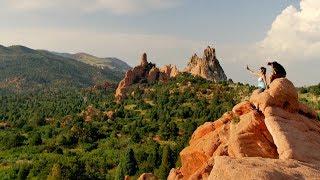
(207, 67)
(144, 60)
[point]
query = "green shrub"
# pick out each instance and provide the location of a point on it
(35, 139)
(12, 140)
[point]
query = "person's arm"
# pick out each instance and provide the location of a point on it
(252, 72)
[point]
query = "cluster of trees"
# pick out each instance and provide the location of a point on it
(310, 96)
(311, 89)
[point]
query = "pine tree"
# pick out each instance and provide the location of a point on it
(129, 163)
(167, 162)
(120, 174)
(154, 157)
(35, 139)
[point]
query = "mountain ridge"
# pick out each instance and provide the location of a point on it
(109, 62)
(23, 68)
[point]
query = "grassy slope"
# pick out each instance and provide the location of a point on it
(24, 68)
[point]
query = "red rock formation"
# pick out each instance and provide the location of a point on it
(272, 136)
(144, 60)
(145, 72)
(153, 75)
(109, 114)
(170, 70)
(207, 67)
(90, 113)
(135, 75)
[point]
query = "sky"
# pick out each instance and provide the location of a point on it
(170, 31)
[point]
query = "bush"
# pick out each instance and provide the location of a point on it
(13, 140)
(35, 139)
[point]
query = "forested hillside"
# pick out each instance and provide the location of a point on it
(79, 133)
(84, 134)
(24, 69)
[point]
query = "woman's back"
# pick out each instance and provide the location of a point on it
(261, 83)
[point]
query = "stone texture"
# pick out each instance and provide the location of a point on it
(251, 138)
(242, 108)
(109, 114)
(208, 140)
(252, 168)
(272, 133)
(144, 60)
(90, 113)
(296, 136)
(147, 176)
(170, 70)
(175, 174)
(153, 75)
(130, 78)
(207, 67)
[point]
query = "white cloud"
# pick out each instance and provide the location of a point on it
(295, 34)
(293, 40)
(113, 6)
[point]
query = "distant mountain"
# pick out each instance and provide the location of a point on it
(24, 68)
(109, 62)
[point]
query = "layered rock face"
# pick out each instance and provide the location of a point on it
(207, 67)
(146, 72)
(272, 136)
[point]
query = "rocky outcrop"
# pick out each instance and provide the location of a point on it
(272, 136)
(207, 67)
(90, 113)
(146, 72)
(147, 176)
(170, 70)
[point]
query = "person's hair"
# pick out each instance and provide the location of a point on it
(278, 68)
(263, 70)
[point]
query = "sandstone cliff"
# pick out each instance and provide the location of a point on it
(146, 72)
(207, 67)
(272, 136)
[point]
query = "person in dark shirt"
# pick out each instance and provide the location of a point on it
(278, 71)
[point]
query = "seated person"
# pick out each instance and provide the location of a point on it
(278, 71)
(262, 80)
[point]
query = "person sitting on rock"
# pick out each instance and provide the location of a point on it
(262, 79)
(278, 71)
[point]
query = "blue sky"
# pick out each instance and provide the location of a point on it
(170, 31)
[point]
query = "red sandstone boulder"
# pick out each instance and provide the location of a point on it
(271, 137)
(242, 108)
(228, 168)
(251, 138)
(296, 136)
(204, 144)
